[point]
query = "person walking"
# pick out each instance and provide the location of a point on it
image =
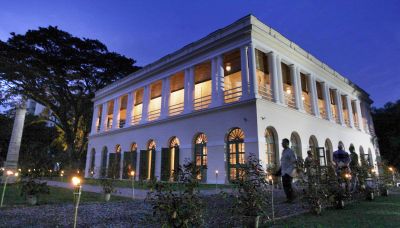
(288, 168)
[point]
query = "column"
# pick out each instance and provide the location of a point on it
(274, 76)
(146, 100)
(252, 72)
(115, 124)
(129, 110)
(245, 72)
(350, 111)
(314, 96)
(189, 90)
(103, 123)
(95, 117)
(327, 100)
(297, 94)
(299, 90)
(217, 81)
(165, 98)
(340, 107)
(360, 119)
(279, 79)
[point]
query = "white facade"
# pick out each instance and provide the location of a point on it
(245, 76)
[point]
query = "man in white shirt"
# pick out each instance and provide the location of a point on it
(288, 166)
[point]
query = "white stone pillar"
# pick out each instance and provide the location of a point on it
(327, 100)
(129, 110)
(253, 72)
(115, 124)
(189, 90)
(295, 84)
(11, 162)
(299, 91)
(95, 117)
(245, 72)
(103, 124)
(217, 81)
(274, 76)
(314, 96)
(280, 82)
(360, 119)
(350, 111)
(340, 107)
(165, 98)
(145, 106)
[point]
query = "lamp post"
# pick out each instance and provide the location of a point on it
(76, 181)
(272, 196)
(8, 174)
(216, 181)
(132, 174)
(391, 169)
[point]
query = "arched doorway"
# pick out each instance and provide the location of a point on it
(328, 150)
(147, 161)
(114, 163)
(170, 160)
(130, 158)
(236, 152)
(92, 162)
(200, 155)
(296, 144)
(318, 152)
(103, 167)
(271, 147)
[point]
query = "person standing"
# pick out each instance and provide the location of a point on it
(288, 166)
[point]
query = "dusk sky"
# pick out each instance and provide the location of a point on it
(359, 39)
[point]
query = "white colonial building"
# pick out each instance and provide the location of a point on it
(238, 91)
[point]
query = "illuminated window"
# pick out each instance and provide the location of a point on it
(200, 153)
(236, 153)
(232, 76)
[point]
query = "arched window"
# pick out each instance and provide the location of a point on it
(103, 168)
(236, 151)
(170, 160)
(147, 161)
(370, 159)
(328, 150)
(130, 158)
(271, 147)
(200, 154)
(318, 152)
(92, 162)
(296, 144)
(114, 163)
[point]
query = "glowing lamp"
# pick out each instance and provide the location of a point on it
(132, 173)
(76, 181)
(391, 169)
(270, 177)
(9, 173)
(288, 91)
(303, 98)
(228, 67)
(16, 174)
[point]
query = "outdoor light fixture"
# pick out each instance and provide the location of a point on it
(76, 181)
(288, 91)
(272, 196)
(228, 67)
(216, 180)
(132, 174)
(347, 176)
(303, 98)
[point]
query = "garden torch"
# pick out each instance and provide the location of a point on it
(76, 181)
(132, 174)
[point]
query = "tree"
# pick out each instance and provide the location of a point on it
(387, 129)
(62, 72)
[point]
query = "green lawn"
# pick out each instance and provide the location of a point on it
(57, 195)
(382, 212)
(138, 184)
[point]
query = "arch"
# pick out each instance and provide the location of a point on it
(114, 163)
(170, 159)
(151, 144)
(129, 162)
(147, 161)
(103, 166)
(236, 152)
(318, 152)
(295, 143)
(328, 150)
(92, 162)
(271, 147)
(200, 155)
(370, 159)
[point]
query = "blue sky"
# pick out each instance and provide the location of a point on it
(359, 39)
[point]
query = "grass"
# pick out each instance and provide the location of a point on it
(57, 195)
(138, 184)
(382, 212)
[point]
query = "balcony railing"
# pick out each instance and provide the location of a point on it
(121, 123)
(233, 94)
(290, 100)
(201, 102)
(136, 119)
(347, 122)
(265, 92)
(307, 107)
(154, 114)
(323, 114)
(336, 118)
(176, 109)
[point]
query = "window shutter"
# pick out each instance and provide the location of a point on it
(165, 170)
(111, 165)
(153, 163)
(176, 163)
(143, 165)
(134, 160)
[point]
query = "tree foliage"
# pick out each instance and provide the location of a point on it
(62, 72)
(387, 129)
